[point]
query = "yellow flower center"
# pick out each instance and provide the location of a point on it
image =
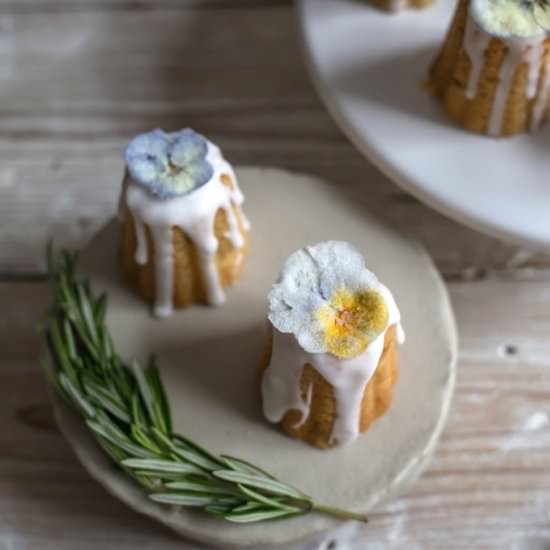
(351, 321)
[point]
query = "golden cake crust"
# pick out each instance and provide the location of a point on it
(317, 429)
(450, 73)
(188, 286)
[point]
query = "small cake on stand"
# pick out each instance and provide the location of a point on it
(183, 234)
(332, 361)
(493, 72)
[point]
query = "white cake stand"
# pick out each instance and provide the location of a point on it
(368, 67)
(209, 361)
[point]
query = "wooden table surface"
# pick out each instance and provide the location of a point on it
(77, 79)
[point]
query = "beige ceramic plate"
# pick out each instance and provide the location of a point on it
(209, 364)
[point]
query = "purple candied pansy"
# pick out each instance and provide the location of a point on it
(169, 164)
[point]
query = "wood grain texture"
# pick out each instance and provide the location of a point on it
(77, 79)
(41, 6)
(75, 85)
(488, 486)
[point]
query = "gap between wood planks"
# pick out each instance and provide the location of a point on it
(529, 274)
(15, 7)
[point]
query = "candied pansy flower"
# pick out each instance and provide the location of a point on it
(541, 11)
(327, 298)
(523, 18)
(169, 164)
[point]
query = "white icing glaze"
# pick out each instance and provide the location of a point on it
(520, 50)
(194, 214)
(348, 377)
(476, 42)
(505, 18)
(541, 103)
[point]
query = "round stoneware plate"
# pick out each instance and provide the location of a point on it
(369, 67)
(209, 362)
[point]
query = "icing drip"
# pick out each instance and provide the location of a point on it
(164, 269)
(534, 56)
(476, 42)
(194, 214)
(141, 247)
(519, 50)
(349, 377)
(541, 103)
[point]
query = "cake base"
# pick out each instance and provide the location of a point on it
(188, 286)
(209, 359)
(317, 428)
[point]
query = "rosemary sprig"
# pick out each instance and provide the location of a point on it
(127, 410)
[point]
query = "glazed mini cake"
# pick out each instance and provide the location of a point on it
(493, 72)
(184, 235)
(394, 6)
(331, 365)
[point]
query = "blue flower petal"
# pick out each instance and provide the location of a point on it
(188, 147)
(144, 170)
(155, 144)
(201, 172)
(180, 184)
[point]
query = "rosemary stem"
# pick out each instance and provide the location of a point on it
(339, 512)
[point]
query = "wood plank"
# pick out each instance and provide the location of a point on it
(75, 86)
(95, 74)
(488, 486)
(42, 6)
(66, 191)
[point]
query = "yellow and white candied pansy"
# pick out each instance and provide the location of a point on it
(329, 300)
(541, 11)
(506, 18)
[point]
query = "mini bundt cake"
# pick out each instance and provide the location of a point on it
(331, 365)
(493, 72)
(184, 235)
